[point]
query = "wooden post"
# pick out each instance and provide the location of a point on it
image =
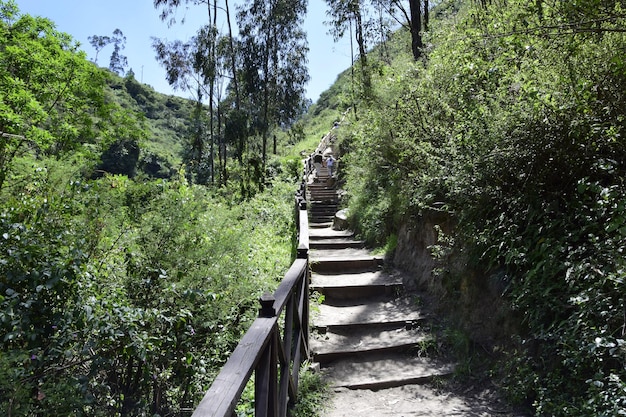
(267, 305)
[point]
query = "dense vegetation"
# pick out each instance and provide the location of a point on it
(123, 285)
(512, 122)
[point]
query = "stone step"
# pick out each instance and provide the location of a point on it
(323, 208)
(316, 225)
(344, 260)
(356, 286)
(395, 312)
(328, 233)
(321, 186)
(330, 200)
(326, 347)
(364, 278)
(320, 213)
(384, 371)
(353, 292)
(329, 216)
(348, 253)
(324, 197)
(355, 264)
(322, 219)
(336, 243)
(322, 191)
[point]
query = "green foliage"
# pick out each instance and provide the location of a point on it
(50, 92)
(313, 394)
(118, 296)
(514, 123)
(167, 120)
(121, 297)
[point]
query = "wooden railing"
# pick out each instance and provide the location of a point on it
(273, 353)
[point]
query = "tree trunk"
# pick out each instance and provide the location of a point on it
(360, 39)
(416, 27)
(232, 57)
(213, 58)
(426, 15)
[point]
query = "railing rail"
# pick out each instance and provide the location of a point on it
(275, 361)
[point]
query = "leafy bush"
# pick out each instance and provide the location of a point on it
(514, 123)
(122, 298)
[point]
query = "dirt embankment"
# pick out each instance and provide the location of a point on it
(469, 298)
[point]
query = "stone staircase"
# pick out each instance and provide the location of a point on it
(368, 332)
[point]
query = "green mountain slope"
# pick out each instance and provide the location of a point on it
(511, 128)
(167, 119)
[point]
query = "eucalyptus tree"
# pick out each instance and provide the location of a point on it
(209, 58)
(274, 71)
(344, 14)
(117, 62)
(189, 69)
(98, 43)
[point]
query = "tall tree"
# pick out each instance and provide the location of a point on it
(209, 58)
(274, 48)
(415, 18)
(415, 26)
(344, 14)
(117, 62)
(98, 43)
(189, 69)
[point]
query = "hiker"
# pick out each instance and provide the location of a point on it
(330, 161)
(317, 162)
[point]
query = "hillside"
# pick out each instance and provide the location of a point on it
(492, 169)
(123, 287)
(168, 120)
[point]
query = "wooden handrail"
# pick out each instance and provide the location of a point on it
(275, 362)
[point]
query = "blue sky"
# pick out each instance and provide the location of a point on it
(139, 20)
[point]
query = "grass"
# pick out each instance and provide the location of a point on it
(313, 393)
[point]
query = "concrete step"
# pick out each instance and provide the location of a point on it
(323, 209)
(347, 253)
(392, 312)
(326, 200)
(353, 292)
(329, 215)
(328, 233)
(327, 347)
(355, 286)
(364, 278)
(322, 191)
(355, 264)
(321, 186)
(384, 371)
(336, 243)
(322, 219)
(316, 225)
(344, 260)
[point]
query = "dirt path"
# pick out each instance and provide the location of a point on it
(415, 401)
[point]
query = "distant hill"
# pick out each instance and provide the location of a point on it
(167, 119)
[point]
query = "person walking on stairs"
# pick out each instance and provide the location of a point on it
(330, 162)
